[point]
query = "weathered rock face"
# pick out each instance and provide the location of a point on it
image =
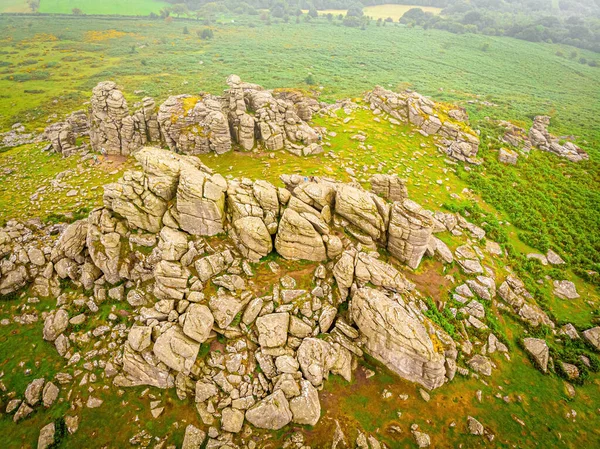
(142, 197)
(108, 109)
(364, 268)
(253, 210)
(363, 209)
(277, 124)
(273, 412)
(200, 124)
(104, 243)
(539, 351)
(458, 140)
(176, 350)
(194, 125)
(200, 208)
(390, 187)
(144, 368)
(395, 333)
(297, 238)
(62, 138)
(542, 139)
(409, 232)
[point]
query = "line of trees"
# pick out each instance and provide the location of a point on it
(526, 24)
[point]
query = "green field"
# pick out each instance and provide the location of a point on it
(384, 11)
(120, 7)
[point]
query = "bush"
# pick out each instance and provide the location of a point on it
(206, 34)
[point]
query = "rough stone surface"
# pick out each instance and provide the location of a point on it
(272, 412)
(394, 334)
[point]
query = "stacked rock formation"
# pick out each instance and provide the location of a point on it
(458, 140)
(63, 135)
(113, 130)
(246, 115)
(537, 137)
(542, 139)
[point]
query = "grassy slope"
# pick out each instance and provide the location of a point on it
(344, 61)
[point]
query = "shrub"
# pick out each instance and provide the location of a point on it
(206, 34)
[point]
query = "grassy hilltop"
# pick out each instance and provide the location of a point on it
(49, 65)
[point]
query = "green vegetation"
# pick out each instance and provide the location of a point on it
(120, 7)
(50, 65)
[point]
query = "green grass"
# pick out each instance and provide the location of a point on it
(120, 7)
(32, 168)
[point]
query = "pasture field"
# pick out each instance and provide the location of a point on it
(120, 7)
(14, 6)
(395, 11)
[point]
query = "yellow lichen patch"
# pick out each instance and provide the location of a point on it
(190, 103)
(99, 36)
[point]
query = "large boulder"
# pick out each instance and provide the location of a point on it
(593, 337)
(272, 412)
(297, 238)
(409, 232)
(201, 202)
(539, 350)
(254, 237)
(71, 242)
(362, 209)
(395, 333)
(198, 322)
(144, 369)
(55, 324)
(306, 408)
(273, 329)
(176, 350)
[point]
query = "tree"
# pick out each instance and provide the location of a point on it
(355, 10)
(34, 5)
(312, 12)
(179, 9)
(77, 12)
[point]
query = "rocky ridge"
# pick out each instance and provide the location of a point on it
(177, 242)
